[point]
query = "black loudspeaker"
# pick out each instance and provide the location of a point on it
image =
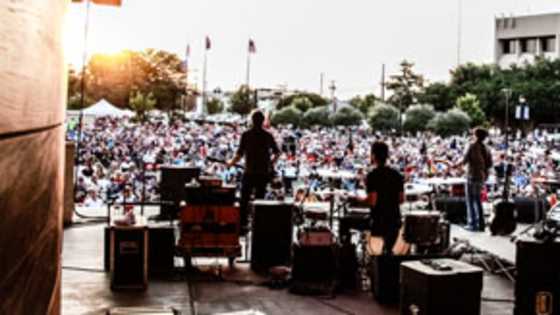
(454, 209)
(161, 250)
(272, 233)
(314, 270)
(129, 258)
(172, 187)
(537, 287)
(426, 289)
(530, 210)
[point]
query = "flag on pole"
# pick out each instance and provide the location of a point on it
(208, 43)
(117, 3)
(252, 47)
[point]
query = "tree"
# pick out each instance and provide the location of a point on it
(214, 106)
(439, 95)
(287, 116)
(364, 104)
(318, 116)
(347, 116)
(471, 106)
(242, 101)
(142, 104)
(316, 99)
(406, 86)
(302, 103)
(384, 117)
(418, 117)
(453, 122)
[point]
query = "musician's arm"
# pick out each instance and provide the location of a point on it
(401, 197)
(239, 153)
(234, 160)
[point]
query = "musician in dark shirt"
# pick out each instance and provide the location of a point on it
(260, 151)
(385, 194)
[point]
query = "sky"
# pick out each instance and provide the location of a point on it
(297, 40)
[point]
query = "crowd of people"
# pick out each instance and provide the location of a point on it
(118, 157)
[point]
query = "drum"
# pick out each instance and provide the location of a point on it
(375, 245)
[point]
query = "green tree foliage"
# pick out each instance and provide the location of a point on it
(439, 95)
(406, 86)
(116, 76)
(364, 104)
(347, 116)
(318, 116)
(142, 104)
(316, 99)
(287, 116)
(453, 122)
(384, 118)
(243, 101)
(417, 117)
(471, 106)
(214, 106)
(302, 103)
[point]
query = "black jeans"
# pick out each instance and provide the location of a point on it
(389, 239)
(249, 184)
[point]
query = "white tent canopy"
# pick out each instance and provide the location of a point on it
(104, 108)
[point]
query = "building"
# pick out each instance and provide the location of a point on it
(519, 39)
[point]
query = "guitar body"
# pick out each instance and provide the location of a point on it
(503, 222)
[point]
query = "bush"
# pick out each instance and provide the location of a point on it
(287, 116)
(214, 106)
(417, 117)
(470, 104)
(384, 117)
(453, 122)
(315, 99)
(242, 101)
(318, 116)
(347, 116)
(302, 103)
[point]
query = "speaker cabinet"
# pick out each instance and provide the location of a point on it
(537, 287)
(161, 250)
(129, 257)
(172, 187)
(272, 233)
(454, 208)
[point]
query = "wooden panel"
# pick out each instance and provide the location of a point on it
(31, 202)
(32, 69)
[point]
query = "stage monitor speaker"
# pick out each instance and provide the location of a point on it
(454, 208)
(272, 233)
(537, 287)
(172, 187)
(315, 269)
(425, 289)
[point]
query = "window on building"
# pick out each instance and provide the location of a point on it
(532, 45)
(508, 46)
(523, 45)
(548, 44)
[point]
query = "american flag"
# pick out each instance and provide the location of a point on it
(208, 43)
(252, 47)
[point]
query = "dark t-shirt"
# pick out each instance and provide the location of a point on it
(256, 146)
(388, 184)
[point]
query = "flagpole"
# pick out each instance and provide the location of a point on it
(248, 75)
(204, 100)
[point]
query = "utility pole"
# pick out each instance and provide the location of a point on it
(332, 87)
(321, 83)
(383, 82)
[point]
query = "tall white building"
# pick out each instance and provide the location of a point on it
(519, 39)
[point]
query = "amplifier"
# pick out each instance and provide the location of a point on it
(272, 232)
(426, 289)
(316, 237)
(314, 269)
(161, 250)
(172, 187)
(210, 181)
(421, 227)
(453, 208)
(129, 257)
(209, 195)
(537, 289)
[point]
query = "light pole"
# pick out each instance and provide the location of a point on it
(507, 93)
(332, 87)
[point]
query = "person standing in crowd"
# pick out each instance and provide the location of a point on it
(260, 151)
(385, 194)
(479, 161)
